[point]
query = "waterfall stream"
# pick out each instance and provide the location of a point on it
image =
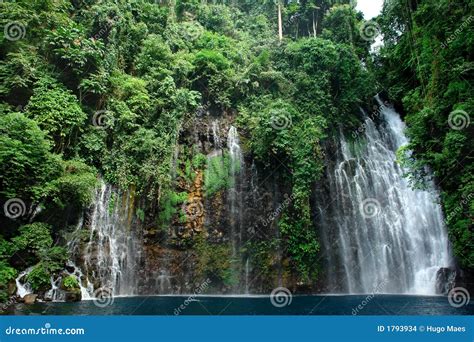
(22, 286)
(380, 235)
(235, 191)
(55, 293)
(216, 135)
(235, 198)
(112, 255)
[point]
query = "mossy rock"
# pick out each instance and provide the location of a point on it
(70, 283)
(30, 298)
(11, 288)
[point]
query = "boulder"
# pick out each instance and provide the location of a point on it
(30, 298)
(445, 280)
(11, 288)
(73, 296)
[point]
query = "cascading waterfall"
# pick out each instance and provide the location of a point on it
(113, 253)
(378, 233)
(73, 247)
(87, 291)
(22, 286)
(216, 141)
(247, 273)
(235, 192)
(55, 293)
(110, 259)
(163, 282)
(215, 135)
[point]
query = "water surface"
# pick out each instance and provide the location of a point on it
(254, 305)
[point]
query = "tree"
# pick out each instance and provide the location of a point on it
(26, 164)
(57, 112)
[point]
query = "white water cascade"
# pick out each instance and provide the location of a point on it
(215, 135)
(247, 272)
(22, 286)
(112, 255)
(87, 289)
(380, 235)
(73, 247)
(235, 191)
(55, 293)
(236, 198)
(163, 282)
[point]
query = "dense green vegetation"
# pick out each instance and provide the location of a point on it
(91, 88)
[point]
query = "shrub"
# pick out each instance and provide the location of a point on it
(7, 274)
(70, 283)
(39, 278)
(217, 175)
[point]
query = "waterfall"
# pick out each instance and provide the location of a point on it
(215, 135)
(235, 191)
(163, 282)
(113, 253)
(55, 293)
(247, 272)
(22, 286)
(235, 194)
(73, 247)
(378, 233)
(87, 291)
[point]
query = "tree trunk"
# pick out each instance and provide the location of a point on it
(314, 26)
(280, 24)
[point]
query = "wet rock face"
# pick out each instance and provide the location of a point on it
(445, 280)
(225, 230)
(449, 278)
(227, 238)
(194, 207)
